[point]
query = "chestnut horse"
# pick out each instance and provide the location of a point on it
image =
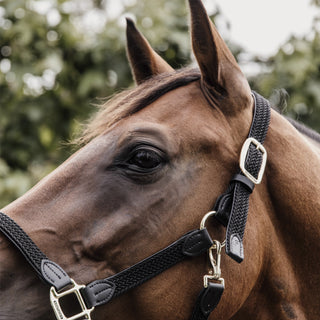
(155, 159)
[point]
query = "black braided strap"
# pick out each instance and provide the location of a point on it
(48, 271)
(102, 291)
(207, 301)
(232, 207)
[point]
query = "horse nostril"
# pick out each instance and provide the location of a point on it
(77, 250)
(6, 279)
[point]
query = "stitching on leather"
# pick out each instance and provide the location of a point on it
(190, 239)
(92, 285)
(105, 289)
(110, 288)
(51, 268)
(47, 264)
(47, 275)
(106, 298)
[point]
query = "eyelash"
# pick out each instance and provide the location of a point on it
(130, 159)
(145, 158)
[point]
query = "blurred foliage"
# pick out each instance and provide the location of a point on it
(295, 71)
(57, 57)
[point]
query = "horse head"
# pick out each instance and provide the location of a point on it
(155, 159)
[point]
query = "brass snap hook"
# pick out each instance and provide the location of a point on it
(214, 255)
(215, 261)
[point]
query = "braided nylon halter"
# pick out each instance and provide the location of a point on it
(231, 209)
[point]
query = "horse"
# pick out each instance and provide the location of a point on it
(153, 161)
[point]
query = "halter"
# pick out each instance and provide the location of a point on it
(231, 209)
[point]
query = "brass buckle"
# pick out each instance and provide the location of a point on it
(75, 289)
(243, 155)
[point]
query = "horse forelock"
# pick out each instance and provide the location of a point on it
(130, 101)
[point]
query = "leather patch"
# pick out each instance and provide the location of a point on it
(54, 274)
(211, 297)
(197, 242)
(247, 183)
(98, 292)
(236, 248)
(223, 207)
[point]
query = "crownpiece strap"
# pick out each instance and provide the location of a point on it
(232, 206)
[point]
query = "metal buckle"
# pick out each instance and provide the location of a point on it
(208, 277)
(243, 156)
(75, 289)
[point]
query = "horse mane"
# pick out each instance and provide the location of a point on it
(130, 101)
(315, 136)
(280, 101)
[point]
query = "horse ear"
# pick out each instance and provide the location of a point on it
(144, 61)
(219, 69)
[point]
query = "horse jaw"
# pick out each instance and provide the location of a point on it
(20, 295)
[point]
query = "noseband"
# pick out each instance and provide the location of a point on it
(231, 209)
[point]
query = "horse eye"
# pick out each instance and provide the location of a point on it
(145, 159)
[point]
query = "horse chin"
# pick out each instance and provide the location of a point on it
(22, 295)
(14, 312)
(19, 302)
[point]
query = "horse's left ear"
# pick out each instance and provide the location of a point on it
(144, 61)
(221, 75)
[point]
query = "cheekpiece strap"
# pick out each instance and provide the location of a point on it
(232, 206)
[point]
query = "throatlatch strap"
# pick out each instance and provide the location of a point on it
(47, 270)
(102, 291)
(232, 207)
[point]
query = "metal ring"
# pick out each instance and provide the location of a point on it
(206, 216)
(204, 220)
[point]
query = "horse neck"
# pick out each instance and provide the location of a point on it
(293, 185)
(292, 177)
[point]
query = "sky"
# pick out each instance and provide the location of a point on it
(261, 26)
